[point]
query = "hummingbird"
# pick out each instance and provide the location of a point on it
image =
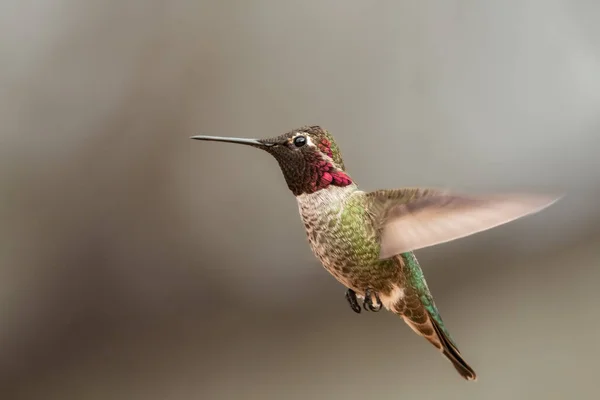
(366, 240)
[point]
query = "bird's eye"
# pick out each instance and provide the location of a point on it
(299, 141)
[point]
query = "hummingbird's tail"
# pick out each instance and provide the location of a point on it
(431, 328)
(436, 334)
(416, 306)
(451, 352)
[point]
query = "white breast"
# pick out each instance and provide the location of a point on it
(332, 196)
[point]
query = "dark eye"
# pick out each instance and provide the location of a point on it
(299, 141)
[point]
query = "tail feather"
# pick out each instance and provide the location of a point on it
(451, 352)
(416, 306)
(431, 330)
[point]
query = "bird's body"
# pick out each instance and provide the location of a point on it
(366, 239)
(343, 235)
(343, 238)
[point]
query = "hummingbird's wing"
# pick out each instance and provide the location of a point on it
(412, 218)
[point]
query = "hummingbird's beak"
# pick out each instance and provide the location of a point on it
(249, 142)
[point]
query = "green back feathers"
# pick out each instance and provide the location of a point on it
(417, 281)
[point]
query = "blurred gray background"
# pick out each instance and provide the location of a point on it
(138, 264)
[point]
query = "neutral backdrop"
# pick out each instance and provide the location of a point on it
(138, 264)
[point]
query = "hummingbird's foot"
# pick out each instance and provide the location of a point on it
(352, 300)
(368, 302)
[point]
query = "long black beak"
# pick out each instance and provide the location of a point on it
(249, 142)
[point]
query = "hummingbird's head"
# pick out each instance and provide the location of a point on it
(309, 158)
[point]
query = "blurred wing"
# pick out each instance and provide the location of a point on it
(411, 219)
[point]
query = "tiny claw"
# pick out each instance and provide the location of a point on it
(352, 300)
(368, 302)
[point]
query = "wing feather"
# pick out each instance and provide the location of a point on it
(411, 219)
